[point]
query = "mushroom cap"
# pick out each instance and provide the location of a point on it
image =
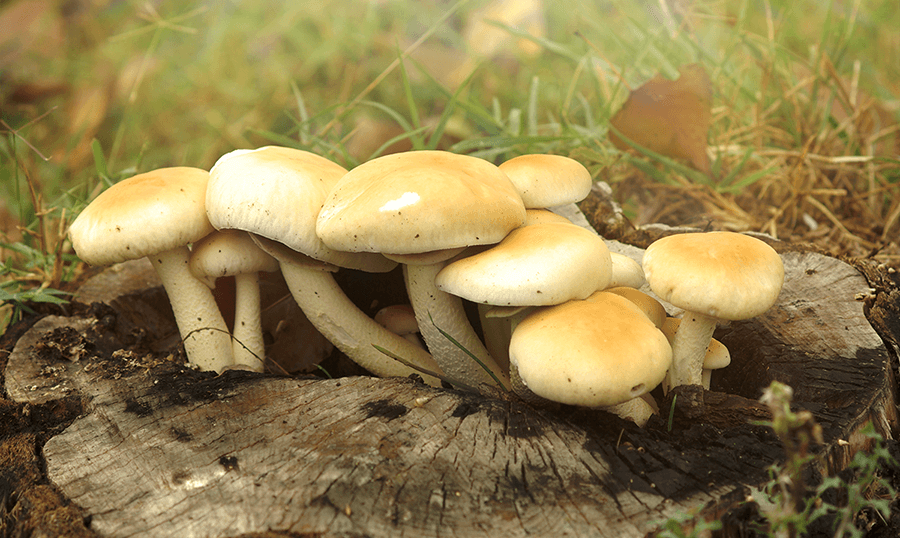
(419, 201)
(541, 264)
(725, 275)
(229, 253)
(399, 319)
(626, 272)
(145, 214)
(592, 353)
(548, 180)
(652, 308)
(541, 216)
(276, 193)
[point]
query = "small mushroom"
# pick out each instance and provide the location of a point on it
(717, 355)
(648, 305)
(232, 253)
(548, 180)
(157, 214)
(400, 319)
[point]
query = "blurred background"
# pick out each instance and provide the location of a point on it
(802, 139)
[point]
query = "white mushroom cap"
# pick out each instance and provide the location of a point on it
(277, 192)
(229, 253)
(548, 180)
(542, 264)
(419, 201)
(626, 272)
(725, 275)
(594, 353)
(148, 213)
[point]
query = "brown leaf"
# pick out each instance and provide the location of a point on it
(670, 117)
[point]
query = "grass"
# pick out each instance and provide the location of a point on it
(804, 139)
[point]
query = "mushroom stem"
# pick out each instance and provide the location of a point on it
(348, 328)
(247, 337)
(637, 410)
(689, 349)
(207, 341)
(435, 310)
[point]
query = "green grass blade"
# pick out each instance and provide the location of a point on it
(453, 341)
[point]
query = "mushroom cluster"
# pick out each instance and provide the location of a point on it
(562, 318)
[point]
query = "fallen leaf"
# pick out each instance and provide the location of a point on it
(670, 117)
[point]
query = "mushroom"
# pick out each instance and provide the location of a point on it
(717, 355)
(400, 319)
(157, 214)
(712, 276)
(408, 204)
(648, 305)
(543, 216)
(537, 265)
(598, 353)
(232, 253)
(548, 180)
(625, 271)
(275, 193)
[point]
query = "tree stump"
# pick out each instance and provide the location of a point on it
(162, 450)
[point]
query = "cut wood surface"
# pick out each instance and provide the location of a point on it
(165, 451)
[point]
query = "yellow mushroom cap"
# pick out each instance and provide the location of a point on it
(648, 305)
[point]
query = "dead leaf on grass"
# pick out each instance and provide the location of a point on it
(670, 117)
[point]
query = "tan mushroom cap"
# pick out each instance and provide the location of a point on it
(419, 201)
(145, 214)
(592, 353)
(725, 275)
(542, 216)
(548, 180)
(277, 192)
(648, 305)
(541, 264)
